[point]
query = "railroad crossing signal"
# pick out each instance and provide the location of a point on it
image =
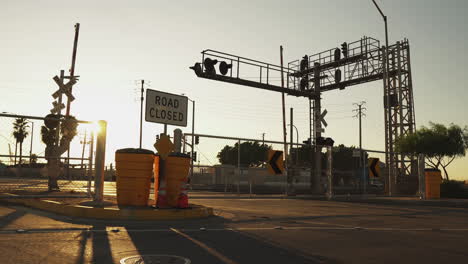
(57, 107)
(64, 88)
(374, 168)
(275, 163)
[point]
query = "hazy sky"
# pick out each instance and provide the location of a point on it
(124, 41)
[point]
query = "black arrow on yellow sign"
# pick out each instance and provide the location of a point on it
(275, 161)
(374, 170)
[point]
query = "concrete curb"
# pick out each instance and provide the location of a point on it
(146, 214)
(433, 203)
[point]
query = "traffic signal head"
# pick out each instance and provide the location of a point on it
(209, 65)
(304, 84)
(224, 67)
(194, 157)
(329, 142)
(304, 63)
(337, 54)
(197, 68)
(321, 141)
(344, 49)
(51, 121)
(337, 76)
(197, 140)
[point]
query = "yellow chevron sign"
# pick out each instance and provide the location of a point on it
(275, 163)
(374, 168)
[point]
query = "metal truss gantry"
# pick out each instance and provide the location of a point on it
(362, 61)
(365, 61)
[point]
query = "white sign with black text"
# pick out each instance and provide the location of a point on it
(166, 108)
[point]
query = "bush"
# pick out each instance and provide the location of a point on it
(453, 189)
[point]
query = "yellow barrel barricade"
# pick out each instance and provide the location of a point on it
(174, 172)
(157, 159)
(433, 180)
(134, 169)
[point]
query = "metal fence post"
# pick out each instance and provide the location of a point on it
(238, 166)
(99, 162)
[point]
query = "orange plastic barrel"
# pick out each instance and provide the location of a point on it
(156, 178)
(433, 180)
(134, 169)
(176, 170)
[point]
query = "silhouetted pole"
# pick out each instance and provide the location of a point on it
(100, 159)
(290, 169)
(284, 113)
(32, 136)
(193, 137)
(297, 144)
(84, 147)
(291, 114)
(318, 131)
(386, 81)
(72, 68)
(141, 110)
(363, 163)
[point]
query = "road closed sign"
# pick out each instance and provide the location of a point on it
(166, 108)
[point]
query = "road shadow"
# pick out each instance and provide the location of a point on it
(11, 217)
(216, 244)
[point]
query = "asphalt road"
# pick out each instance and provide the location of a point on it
(246, 231)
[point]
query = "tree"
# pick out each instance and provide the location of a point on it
(55, 147)
(252, 154)
(342, 157)
(20, 133)
(440, 144)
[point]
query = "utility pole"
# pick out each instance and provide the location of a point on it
(141, 110)
(263, 139)
(359, 114)
(284, 113)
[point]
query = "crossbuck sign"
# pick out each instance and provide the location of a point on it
(166, 108)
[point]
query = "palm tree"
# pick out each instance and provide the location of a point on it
(20, 133)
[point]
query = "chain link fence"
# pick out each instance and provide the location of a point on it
(29, 147)
(221, 166)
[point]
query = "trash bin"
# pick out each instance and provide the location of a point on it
(134, 169)
(433, 180)
(174, 172)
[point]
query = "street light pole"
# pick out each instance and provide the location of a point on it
(297, 142)
(193, 136)
(386, 81)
